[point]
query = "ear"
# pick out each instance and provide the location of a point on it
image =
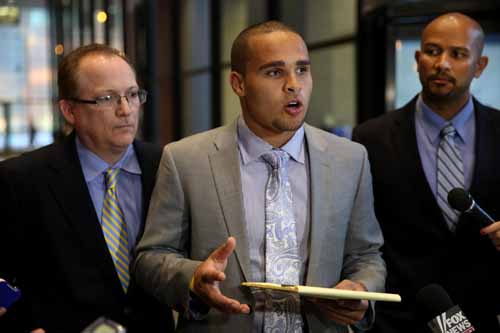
(418, 54)
(67, 111)
(237, 83)
(481, 64)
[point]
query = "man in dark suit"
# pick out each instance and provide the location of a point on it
(73, 211)
(425, 240)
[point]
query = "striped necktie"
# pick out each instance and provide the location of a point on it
(282, 249)
(115, 228)
(450, 173)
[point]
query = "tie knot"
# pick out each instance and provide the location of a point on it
(448, 131)
(276, 158)
(110, 177)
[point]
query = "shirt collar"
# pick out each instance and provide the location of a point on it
(433, 123)
(252, 147)
(93, 166)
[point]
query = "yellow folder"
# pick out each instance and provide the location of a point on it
(329, 293)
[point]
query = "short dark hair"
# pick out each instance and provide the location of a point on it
(67, 74)
(240, 50)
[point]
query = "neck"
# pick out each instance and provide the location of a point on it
(111, 157)
(446, 108)
(278, 141)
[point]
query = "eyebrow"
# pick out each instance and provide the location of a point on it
(461, 48)
(112, 91)
(282, 64)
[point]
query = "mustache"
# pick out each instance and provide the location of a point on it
(442, 76)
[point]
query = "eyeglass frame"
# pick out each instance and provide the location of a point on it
(117, 97)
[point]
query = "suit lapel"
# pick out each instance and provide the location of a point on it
(69, 188)
(404, 138)
(224, 161)
(148, 159)
(322, 193)
(484, 166)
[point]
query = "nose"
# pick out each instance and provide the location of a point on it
(443, 62)
(123, 108)
(292, 85)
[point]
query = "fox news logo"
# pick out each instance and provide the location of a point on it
(451, 321)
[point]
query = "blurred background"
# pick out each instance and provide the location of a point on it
(362, 55)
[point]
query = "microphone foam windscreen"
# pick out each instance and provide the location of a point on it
(433, 300)
(459, 199)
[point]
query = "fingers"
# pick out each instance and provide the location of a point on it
(210, 273)
(493, 232)
(2, 311)
(494, 227)
(38, 330)
(224, 251)
(225, 304)
(345, 312)
(350, 285)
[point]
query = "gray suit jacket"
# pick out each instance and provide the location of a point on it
(197, 203)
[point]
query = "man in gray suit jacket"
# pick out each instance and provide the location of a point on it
(210, 191)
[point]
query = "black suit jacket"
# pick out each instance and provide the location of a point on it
(419, 248)
(53, 249)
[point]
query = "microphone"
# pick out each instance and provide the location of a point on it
(461, 200)
(444, 316)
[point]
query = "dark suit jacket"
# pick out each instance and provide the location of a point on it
(52, 247)
(419, 248)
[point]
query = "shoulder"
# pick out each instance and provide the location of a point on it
(31, 167)
(332, 144)
(33, 160)
(490, 112)
(377, 127)
(204, 142)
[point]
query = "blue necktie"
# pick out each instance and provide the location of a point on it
(282, 311)
(450, 173)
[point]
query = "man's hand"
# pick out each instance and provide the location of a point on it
(2, 311)
(493, 231)
(210, 273)
(345, 312)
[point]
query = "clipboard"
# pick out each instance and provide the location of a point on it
(328, 293)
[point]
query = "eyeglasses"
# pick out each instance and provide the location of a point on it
(134, 98)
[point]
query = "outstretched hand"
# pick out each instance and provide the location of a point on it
(208, 276)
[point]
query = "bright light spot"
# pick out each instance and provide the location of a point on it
(399, 44)
(59, 49)
(101, 16)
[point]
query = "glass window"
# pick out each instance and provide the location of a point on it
(333, 100)
(195, 34)
(197, 101)
(25, 102)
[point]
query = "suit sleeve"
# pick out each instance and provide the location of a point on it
(363, 261)
(162, 266)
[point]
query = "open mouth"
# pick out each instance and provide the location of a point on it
(293, 107)
(294, 104)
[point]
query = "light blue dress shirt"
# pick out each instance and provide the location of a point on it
(128, 187)
(254, 175)
(429, 124)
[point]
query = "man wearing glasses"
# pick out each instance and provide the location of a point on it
(73, 211)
